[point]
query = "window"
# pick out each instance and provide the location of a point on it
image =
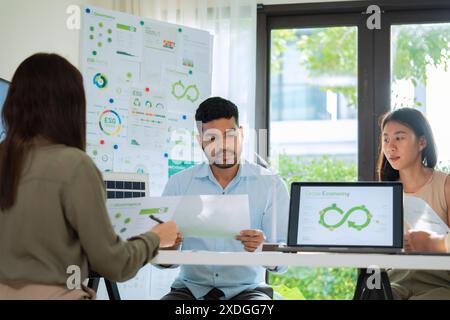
(323, 81)
(313, 97)
(420, 55)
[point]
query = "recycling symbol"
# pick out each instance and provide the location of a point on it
(345, 217)
(191, 92)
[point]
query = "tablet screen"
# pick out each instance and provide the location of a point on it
(348, 216)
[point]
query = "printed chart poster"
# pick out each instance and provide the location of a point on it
(144, 79)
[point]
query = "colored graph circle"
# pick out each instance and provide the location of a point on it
(100, 81)
(110, 122)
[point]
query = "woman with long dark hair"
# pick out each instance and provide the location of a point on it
(52, 199)
(408, 154)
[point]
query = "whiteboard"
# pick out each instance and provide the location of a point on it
(144, 80)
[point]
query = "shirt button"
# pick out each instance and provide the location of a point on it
(217, 274)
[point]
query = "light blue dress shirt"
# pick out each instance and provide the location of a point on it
(259, 184)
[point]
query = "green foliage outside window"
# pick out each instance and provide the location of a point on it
(315, 283)
(333, 52)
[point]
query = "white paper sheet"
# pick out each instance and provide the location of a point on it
(418, 215)
(196, 216)
(212, 216)
(126, 218)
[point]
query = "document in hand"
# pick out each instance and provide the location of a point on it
(418, 215)
(220, 216)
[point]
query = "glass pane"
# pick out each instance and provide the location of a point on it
(314, 129)
(420, 55)
(313, 103)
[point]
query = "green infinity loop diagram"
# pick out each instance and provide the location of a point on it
(351, 224)
(191, 92)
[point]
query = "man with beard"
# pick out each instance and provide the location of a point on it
(220, 137)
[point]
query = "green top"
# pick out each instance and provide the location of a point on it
(60, 219)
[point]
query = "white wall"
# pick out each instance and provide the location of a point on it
(30, 26)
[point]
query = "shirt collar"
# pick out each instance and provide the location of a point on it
(245, 170)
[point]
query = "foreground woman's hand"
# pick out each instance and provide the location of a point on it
(167, 232)
(177, 243)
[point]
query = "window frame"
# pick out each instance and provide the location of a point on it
(374, 65)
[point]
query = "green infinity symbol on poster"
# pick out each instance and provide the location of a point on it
(191, 92)
(345, 217)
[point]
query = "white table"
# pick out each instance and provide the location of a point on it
(313, 259)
